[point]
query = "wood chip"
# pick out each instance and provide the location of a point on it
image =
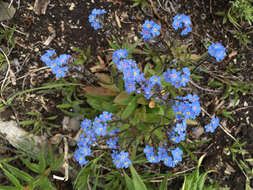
(40, 6)
(232, 54)
(117, 20)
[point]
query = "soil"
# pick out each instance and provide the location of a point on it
(69, 20)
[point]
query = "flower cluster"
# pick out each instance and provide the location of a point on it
(92, 130)
(182, 21)
(94, 18)
(132, 75)
(135, 81)
(213, 125)
(57, 65)
(217, 50)
(187, 107)
(177, 78)
(150, 30)
(162, 155)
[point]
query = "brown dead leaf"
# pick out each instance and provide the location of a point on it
(100, 60)
(195, 56)
(104, 77)
(99, 91)
(97, 68)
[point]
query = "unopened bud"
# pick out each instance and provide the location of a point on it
(151, 104)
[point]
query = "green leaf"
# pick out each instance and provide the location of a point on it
(57, 163)
(9, 188)
(163, 185)
(12, 178)
(137, 181)
(52, 117)
(64, 106)
(42, 162)
(19, 173)
(78, 61)
(31, 166)
(129, 183)
(130, 108)
(202, 178)
(34, 113)
(123, 98)
(27, 122)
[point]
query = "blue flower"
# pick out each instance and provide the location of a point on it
(85, 150)
(167, 160)
(119, 54)
(112, 143)
(161, 153)
(60, 71)
(101, 129)
(215, 122)
(217, 50)
(209, 128)
(94, 18)
(148, 24)
(80, 158)
(121, 160)
(213, 125)
(153, 158)
(86, 124)
(46, 57)
(148, 92)
(130, 86)
(177, 154)
(155, 80)
(156, 30)
(148, 150)
(105, 116)
(180, 21)
(95, 25)
(146, 34)
(150, 30)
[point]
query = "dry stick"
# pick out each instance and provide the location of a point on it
(154, 181)
(205, 89)
(7, 73)
(154, 9)
(5, 26)
(242, 108)
(66, 163)
(221, 126)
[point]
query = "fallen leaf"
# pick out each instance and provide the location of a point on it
(96, 68)
(104, 77)
(99, 91)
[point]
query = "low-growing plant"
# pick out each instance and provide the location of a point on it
(240, 10)
(22, 180)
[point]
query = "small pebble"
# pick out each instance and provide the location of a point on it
(72, 6)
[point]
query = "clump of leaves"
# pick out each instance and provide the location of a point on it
(196, 181)
(22, 180)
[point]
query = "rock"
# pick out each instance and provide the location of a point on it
(6, 13)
